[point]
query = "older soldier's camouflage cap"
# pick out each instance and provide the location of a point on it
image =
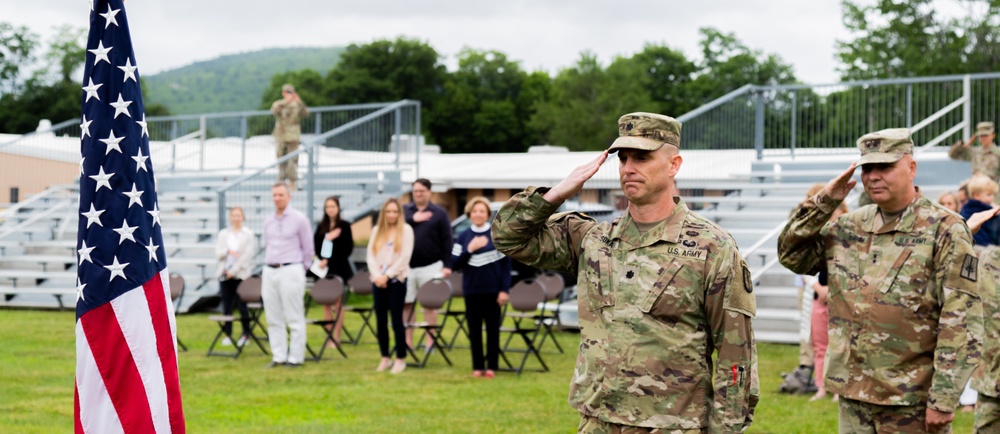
(984, 129)
(288, 88)
(886, 146)
(646, 131)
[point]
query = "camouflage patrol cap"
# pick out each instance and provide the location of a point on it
(646, 131)
(288, 88)
(984, 129)
(886, 146)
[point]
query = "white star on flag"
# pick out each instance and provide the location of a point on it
(121, 106)
(91, 90)
(117, 269)
(79, 290)
(134, 197)
(142, 123)
(151, 248)
(113, 143)
(140, 161)
(103, 179)
(109, 17)
(85, 128)
(129, 70)
(125, 232)
(155, 213)
(93, 216)
(85, 251)
(101, 53)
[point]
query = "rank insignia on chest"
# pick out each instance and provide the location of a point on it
(630, 274)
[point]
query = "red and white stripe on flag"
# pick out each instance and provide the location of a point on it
(126, 362)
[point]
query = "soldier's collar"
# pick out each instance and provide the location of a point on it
(903, 224)
(668, 230)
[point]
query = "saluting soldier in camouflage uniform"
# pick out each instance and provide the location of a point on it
(905, 314)
(288, 113)
(986, 379)
(661, 290)
(986, 157)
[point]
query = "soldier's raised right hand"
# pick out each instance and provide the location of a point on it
(838, 188)
(573, 183)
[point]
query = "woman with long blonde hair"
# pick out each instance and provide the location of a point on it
(389, 250)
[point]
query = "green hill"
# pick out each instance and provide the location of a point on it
(233, 82)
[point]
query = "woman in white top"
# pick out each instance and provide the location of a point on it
(389, 251)
(234, 248)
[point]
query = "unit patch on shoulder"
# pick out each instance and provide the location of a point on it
(747, 280)
(970, 267)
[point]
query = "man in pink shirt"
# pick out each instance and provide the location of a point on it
(289, 251)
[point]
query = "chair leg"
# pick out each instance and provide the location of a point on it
(218, 340)
(460, 329)
(528, 341)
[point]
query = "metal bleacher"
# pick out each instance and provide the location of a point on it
(358, 153)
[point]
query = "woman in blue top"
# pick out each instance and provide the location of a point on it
(485, 282)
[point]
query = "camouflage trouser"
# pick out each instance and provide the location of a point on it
(987, 414)
(593, 425)
(288, 171)
(858, 417)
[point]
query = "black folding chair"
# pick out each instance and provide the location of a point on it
(435, 294)
(249, 293)
(176, 282)
(524, 301)
(359, 285)
(327, 292)
(554, 286)
(459, 314)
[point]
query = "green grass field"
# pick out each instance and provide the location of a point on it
(221, 395)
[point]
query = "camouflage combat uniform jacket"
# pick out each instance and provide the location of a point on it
(905, 314)
(653, 309)
(287, 120)
(986, 379)
(985, 161)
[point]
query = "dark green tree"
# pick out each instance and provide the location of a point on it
(586, 101)
(17, 49)
(669, 74)
(386, 71)
(903, 39)
(486, 105)
(727, 64)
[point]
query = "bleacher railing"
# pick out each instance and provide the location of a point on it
(362, 161)
(803, 119)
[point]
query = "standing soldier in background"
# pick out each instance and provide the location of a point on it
(288, 113)
(986, 157)
(660, 290)
(986, 379)
(904, 311)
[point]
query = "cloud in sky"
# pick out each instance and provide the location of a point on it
(547, 35)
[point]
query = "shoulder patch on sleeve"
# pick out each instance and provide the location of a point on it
(970, 267)
(739, 295)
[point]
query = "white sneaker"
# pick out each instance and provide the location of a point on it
(398, 367)
(242, 341)
(226, 342)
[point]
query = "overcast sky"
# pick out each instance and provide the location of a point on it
(548, 35)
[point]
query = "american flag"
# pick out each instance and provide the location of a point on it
(126, 345)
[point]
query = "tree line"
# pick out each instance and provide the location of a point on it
(491, 104)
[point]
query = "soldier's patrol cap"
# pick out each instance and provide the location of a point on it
(984, 129)
(886, 146)
(288, 88)
(646, 131)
